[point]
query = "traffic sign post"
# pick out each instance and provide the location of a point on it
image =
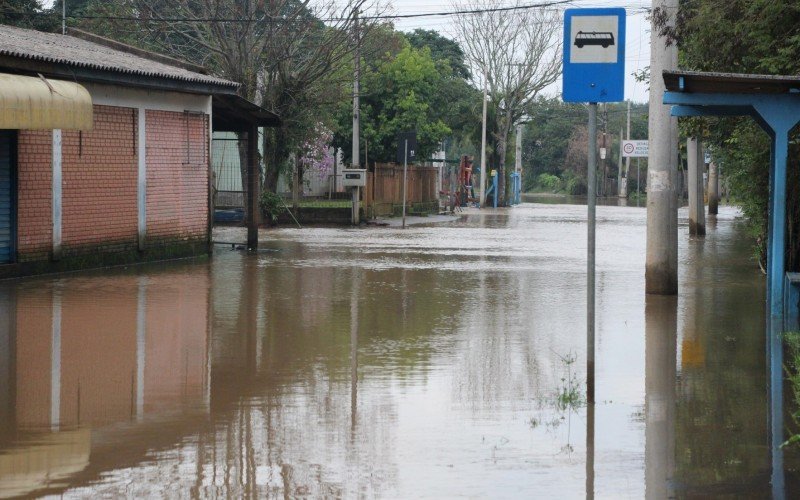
(594, 71)
(635, 149)
(594, 55)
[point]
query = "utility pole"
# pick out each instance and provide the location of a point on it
(356, 104)
(63, 17)
(484, 170)
(661, 265)
(356, 161)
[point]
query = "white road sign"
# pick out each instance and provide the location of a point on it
(634, 149)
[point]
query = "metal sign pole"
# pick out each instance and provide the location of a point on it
(590, 287)
(405, 177)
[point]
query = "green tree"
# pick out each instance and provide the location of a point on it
(402, 96)
(26, 14)
(442, 49)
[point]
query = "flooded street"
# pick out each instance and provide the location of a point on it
(443, 360)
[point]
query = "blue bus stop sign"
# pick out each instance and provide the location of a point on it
(594, 55)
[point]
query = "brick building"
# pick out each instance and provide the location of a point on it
(104, 151)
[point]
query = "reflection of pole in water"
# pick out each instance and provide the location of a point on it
(660, 379)
(775, 347)
(8, 350)
(589, 451)
(141, 334)
(55, 363)
(354, 350)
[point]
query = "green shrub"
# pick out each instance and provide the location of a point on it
(575, 185)
(549, 182)
(271, 205)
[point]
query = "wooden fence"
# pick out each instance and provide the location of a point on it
(384, 191)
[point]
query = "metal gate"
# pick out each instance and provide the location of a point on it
(228, 190)
(7, 196)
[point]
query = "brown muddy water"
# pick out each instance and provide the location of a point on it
(443, 360)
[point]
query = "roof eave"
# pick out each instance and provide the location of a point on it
(83, 74)
(730, 83)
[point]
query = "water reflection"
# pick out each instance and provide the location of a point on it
(436, 361)
(660, 360)
(90, 352)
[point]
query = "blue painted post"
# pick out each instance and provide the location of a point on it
(494, 187)
(776, 269)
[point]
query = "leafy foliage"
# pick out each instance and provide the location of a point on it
(744, 36)
(442, 50)
(26, 14)
(555, 141)
(401, 93)
(271, 205)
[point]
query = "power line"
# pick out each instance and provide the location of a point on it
(387, 17)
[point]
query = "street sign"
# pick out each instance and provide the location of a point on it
(594, 55)
(411, 137)
(635, 149)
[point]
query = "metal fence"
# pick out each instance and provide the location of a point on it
(228, 191)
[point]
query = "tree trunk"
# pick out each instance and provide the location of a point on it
(297, 181)
(242, 143)
(502, 143)
(278, 156)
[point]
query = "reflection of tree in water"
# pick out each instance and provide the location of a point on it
(284, 426)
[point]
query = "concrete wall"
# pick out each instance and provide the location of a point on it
(101, 208)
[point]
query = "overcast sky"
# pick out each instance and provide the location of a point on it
(637, 36)
(637, 33)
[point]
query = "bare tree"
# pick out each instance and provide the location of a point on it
(290, 56)
(516, 52)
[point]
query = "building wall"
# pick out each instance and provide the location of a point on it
(100, 178)
(177, 175)
(100, 182)
(34, 206)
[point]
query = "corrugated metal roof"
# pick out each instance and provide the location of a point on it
(730, 83)
(72, 51)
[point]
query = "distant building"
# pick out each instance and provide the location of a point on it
(104, 151)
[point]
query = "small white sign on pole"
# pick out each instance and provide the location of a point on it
(635, 149)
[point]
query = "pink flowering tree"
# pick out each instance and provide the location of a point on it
(316, 155)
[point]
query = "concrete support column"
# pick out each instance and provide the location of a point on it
(661, 271)
(253, 188)
(713, 188)
(141, 182)
(697, 214)
(56, 193)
